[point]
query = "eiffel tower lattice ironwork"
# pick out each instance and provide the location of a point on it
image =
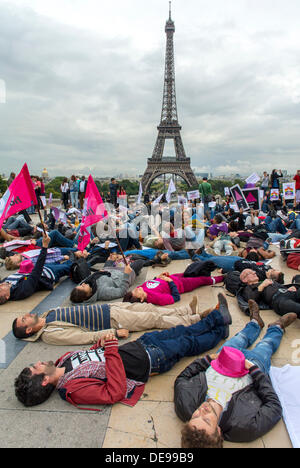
(169, 127)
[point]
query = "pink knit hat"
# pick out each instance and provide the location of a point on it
(230, 362)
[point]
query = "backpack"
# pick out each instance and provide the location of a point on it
(296, 279)
(199, 268)
(232, 282)
(80, 270)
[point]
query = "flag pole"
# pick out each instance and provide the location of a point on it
(122, 253)
(42, 223)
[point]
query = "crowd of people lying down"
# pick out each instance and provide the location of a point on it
(225, 396)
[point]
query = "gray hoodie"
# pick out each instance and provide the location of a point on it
(112, 287)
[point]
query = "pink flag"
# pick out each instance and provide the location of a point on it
(94, 208)
(19, 195)
(83, 239)
(94, 211)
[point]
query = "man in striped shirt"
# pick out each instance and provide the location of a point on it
(86, 324)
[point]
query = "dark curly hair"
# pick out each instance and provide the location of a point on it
(78, 296)
(130, 298)
(19, 332)
(29, 389)
(198, 438)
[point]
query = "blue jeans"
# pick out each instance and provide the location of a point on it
(150, 253)
(275, 225)
(277, 237)
(15, 222)
(224, 262)
(263, 351)
(57, 240)
(60, 269)
(167, 347)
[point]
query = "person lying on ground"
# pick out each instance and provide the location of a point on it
(166, 289)
(83, 325)
(229, 395)
(4, 236)
(20, 285)
(103, 286)
(281, 298)
(107, 374)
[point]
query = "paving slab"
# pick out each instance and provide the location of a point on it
(152, 423)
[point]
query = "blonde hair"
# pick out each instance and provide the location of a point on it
(10, 264)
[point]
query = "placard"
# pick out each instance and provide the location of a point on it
(239, 197)
(193, 195)
(274, 194)
(253, 198)
(253, 178)
(289, 190)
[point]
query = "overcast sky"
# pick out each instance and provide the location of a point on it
(81, 84)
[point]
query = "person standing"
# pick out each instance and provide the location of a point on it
(206, 195)
(265, 182)
(275, 178)
(64, 188)
(74, 189)
(11, 178)
(113, 188)
(297, 179)
(82, 190)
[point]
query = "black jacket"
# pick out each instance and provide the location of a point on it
(29, 284)
(251, 413)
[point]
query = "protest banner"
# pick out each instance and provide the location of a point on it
(289, 190)
(171, 189)
(239, 197)
(253, 178)
(193, 195)
(19, 195)
(94, 210)
(252, 197)
(274, 194)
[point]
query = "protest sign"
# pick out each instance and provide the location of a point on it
(193, 195)
(274, 194)
(289, 190)
(239, 197)
(253, 179)
(253, 197)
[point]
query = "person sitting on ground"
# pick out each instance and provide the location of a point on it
(218, 225)
(107, 374)
(166, 289)
(229, 395)
(60, 326)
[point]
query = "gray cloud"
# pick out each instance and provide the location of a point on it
(79, 100)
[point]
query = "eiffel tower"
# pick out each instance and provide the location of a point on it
(169, 127)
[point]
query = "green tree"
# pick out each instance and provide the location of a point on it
(3, 186)
(54, 187)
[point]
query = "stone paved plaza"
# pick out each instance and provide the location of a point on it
(152, 423)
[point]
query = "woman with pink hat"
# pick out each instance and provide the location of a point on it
(230, 396)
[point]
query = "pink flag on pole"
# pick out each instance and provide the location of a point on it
(19, 195)
(94, 211)
(94, 208)
(83, 239)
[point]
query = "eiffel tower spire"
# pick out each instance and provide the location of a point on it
(169, 127)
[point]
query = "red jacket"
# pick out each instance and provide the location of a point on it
(293, 261)
(113, 389)
(297, 179)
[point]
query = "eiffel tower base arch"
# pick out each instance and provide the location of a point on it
(157, 168)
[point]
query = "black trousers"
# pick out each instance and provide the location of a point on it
(286, 302)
